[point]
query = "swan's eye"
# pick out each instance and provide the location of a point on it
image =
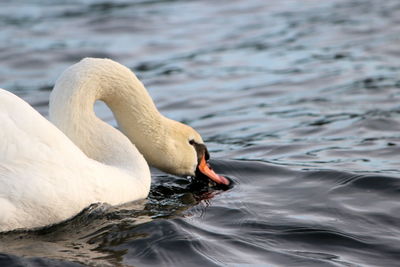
(192, 142)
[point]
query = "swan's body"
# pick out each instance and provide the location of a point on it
(45, 178)
(48, 174)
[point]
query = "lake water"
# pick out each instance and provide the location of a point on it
(298, 101)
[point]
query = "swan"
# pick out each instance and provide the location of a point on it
(49, 172)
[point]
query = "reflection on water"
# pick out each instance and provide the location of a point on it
(300, 99)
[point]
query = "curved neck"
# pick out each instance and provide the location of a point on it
(71, 110)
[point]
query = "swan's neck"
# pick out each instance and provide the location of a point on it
(71, 109)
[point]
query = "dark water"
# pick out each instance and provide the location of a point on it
(298, 102)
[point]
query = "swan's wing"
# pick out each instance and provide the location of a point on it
(37, 162)
(8, 148)
(24, 133)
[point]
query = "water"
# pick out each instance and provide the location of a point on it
(298, 102)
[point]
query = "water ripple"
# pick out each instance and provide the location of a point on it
(300, 99)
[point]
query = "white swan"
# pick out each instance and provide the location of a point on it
(47, 177)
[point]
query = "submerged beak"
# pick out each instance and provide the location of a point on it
(205, 169)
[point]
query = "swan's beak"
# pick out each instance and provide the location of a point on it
(205, 169)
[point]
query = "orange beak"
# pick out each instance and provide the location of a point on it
(205, 168)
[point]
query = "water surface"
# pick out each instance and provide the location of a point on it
(298, 102)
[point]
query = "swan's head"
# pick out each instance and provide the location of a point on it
(184, 154)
